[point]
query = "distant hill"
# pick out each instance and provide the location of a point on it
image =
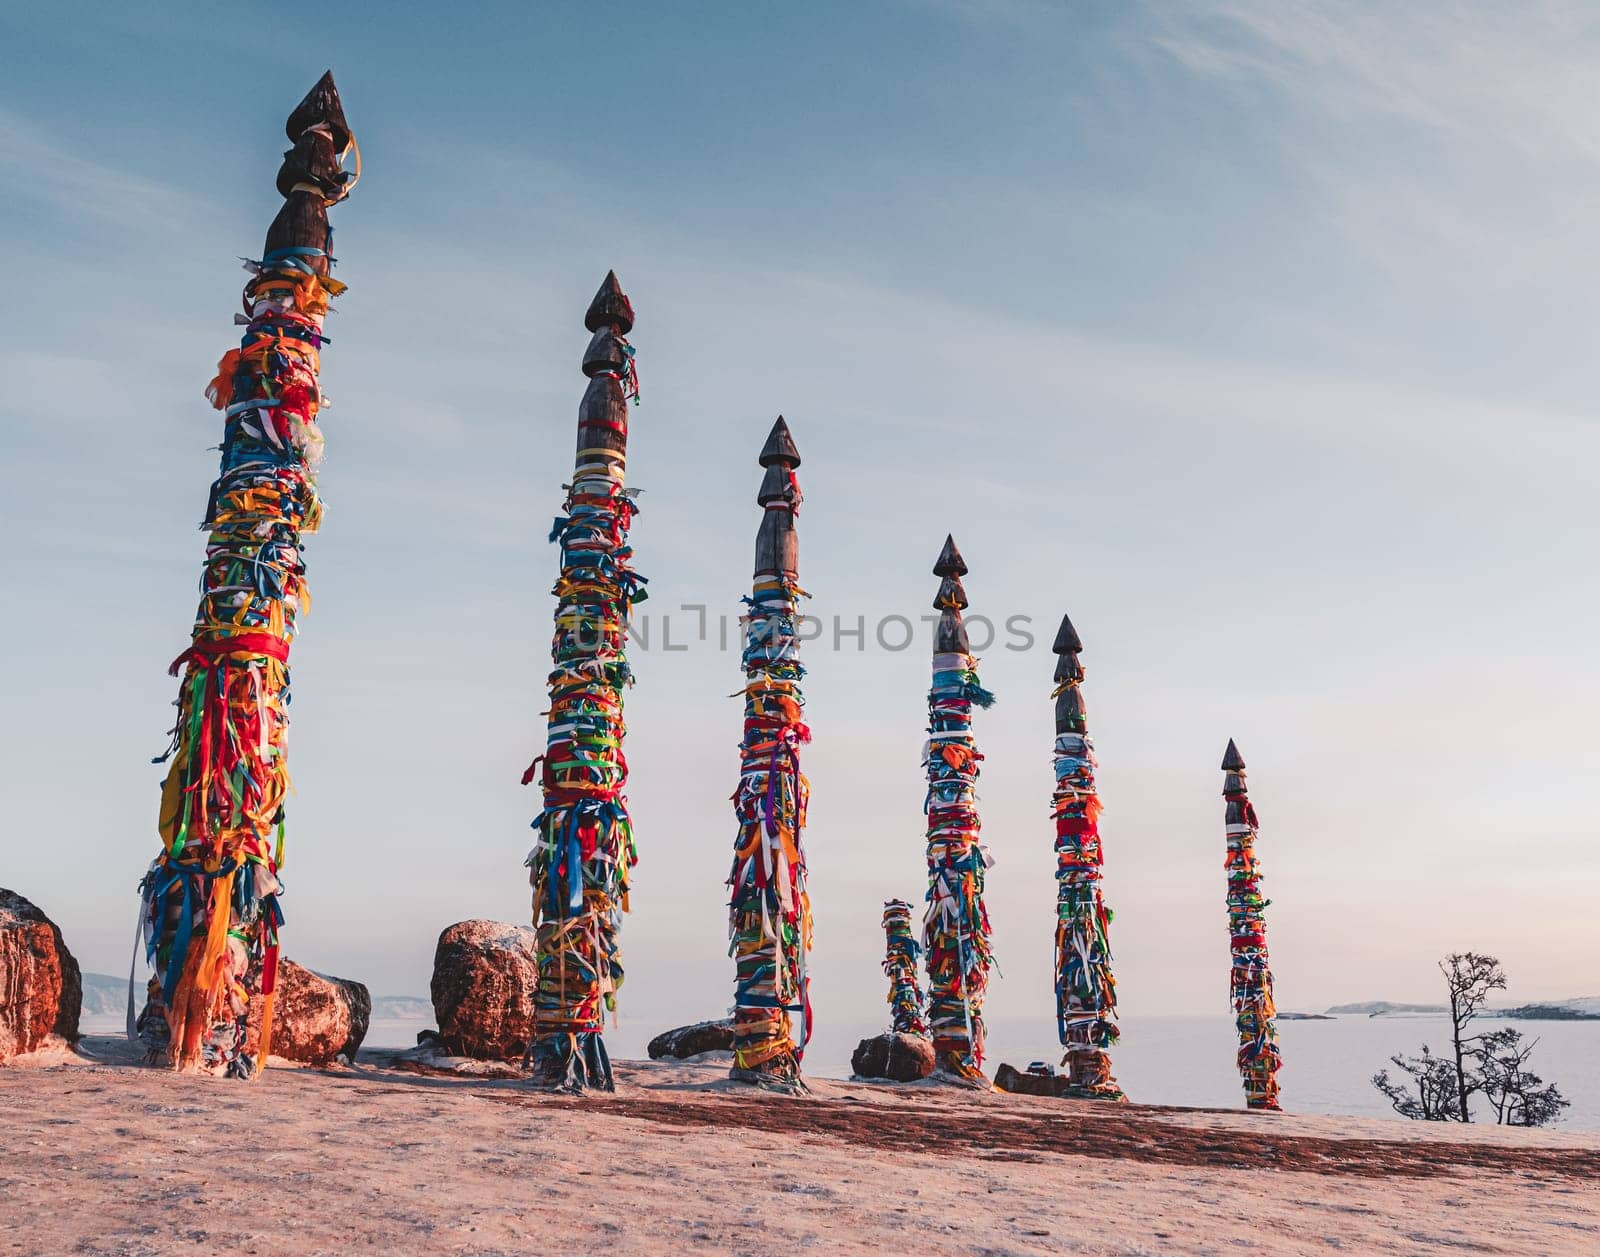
(105, 996)
(1584, 1008)
(402, 1008)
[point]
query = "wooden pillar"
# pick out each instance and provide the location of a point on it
(769, 920)
(955, 931)
(210, 900)
(1086, 992)
(580, 864)
(1250, 982)
(901, 952)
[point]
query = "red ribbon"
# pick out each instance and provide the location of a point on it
(241, 643)
(565, 796)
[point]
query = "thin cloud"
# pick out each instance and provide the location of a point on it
(1485, 74)
(46, 168)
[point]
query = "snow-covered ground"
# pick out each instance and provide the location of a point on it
(111, 1158)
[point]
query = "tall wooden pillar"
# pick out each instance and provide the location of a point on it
(579, 866)
(955, 931)
(1250, 981)
(1086, 993)
(209, 906)
(769, 921)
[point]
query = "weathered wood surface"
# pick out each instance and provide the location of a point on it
(778, 540)
(949, 562)
(610, 308)
(311, 176)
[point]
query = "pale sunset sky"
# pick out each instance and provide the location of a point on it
(1257, 335)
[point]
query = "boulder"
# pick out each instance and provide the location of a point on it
(1038, 1080)
(41, 988)
(897, 1057)
(485, 974)
(687, 1041)
(315, 1019)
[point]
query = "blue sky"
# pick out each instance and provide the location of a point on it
(1256, 335)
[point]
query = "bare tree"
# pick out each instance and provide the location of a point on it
(1435, 1098)
(1470, 977)
(1517, 1096)
(1440, 1089)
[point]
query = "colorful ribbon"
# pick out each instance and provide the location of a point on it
(210, 899)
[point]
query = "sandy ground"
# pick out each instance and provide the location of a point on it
(103, 1157)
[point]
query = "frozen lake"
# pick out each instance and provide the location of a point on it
(1189, 1060)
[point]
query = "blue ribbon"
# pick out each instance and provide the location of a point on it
(179, 876)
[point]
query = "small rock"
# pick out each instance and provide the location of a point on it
(315, 1018)
(41, 987)
(485, 974)
(687, 1041)
(1030, 1083)
(897, 1057)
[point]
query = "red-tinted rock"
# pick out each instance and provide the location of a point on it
(41, 988)
(1031, 1082)
(485, 974)
(687, 1041)
(897, 1057)
(1089, 1079)
(315, 1019)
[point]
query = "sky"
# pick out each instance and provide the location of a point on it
(1258, 336)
